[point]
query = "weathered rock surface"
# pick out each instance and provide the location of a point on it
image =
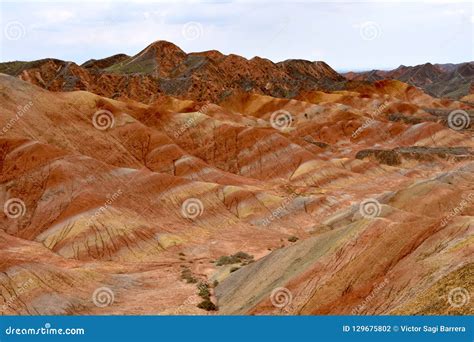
(95, 190)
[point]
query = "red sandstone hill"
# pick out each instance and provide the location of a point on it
(440, 80)
(123, 199)
(163, 68)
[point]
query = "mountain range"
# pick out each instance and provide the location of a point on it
(439, 80)
(198, 183)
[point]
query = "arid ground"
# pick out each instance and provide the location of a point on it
(202, 183)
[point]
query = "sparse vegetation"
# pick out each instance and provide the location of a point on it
(136, 67)
(205, 294)
(388, 157)
(293, 238)
(207, 305)
(225, 260)
(406, 119)
(13, 68)
(239, 257)
(187, 275)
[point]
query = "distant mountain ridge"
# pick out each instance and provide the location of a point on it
(163, 68)
(440, 80)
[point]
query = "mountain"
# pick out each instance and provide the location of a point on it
(119, 198)
(163, 68)
(440, 80)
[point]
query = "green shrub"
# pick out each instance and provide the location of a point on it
(207, 305)
(224, 260)
(204, 292)
(234, 259)
(187, 275)
(242, 256)
(293, 239)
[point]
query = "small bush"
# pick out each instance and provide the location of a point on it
(187, 275)
(207, 305)
(293, 239)
(204, 292)
(234, 259)
(242, 255)
(225, 260)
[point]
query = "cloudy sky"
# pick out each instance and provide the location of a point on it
(347, 35)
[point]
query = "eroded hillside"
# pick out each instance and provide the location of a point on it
(281, 198)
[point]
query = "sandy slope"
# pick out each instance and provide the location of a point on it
(104, 207)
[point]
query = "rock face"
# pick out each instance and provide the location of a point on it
(163, 68)
(440, 80)
(125, 200)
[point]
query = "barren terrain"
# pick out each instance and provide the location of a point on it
(175, 183)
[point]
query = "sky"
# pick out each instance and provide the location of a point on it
(352, 35)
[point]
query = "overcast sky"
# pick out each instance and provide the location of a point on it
(346, 35)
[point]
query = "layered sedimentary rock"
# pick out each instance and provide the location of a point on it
(440, 80)
(163, 68)
(357, 200)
